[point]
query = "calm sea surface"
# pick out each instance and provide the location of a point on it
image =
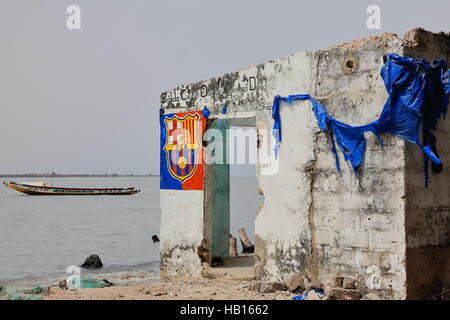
(41, 236)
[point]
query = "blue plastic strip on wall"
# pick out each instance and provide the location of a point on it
(206, 112)
(224, 109)
(418, 97)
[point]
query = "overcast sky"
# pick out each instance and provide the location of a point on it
(87, 101)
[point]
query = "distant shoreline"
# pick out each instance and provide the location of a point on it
(49, 175)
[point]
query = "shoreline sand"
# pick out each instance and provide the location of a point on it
(183, 289)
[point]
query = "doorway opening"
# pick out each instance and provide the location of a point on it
(232, 201)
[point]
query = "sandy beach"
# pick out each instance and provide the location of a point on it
(183, 289)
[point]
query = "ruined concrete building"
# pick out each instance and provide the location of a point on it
(383, 228)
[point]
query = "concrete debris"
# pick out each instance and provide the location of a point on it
(371, 296)
(266, 287)
(349, 282)
(314, 295)
(272, 287)
(339, 282)
(295, 283)
(307, 282)
(344, 294)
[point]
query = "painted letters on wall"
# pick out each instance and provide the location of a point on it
(182, 151)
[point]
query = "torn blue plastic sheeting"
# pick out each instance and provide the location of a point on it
(224, 109)
(276, 131)
(206, 112)
(418, 96)
(305, 295)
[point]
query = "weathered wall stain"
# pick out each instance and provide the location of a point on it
(260, 254)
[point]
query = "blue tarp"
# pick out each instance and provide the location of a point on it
(303, 296)
(418, 96)
(206, 112)
(224, 109)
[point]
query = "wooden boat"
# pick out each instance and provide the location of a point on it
(40, 189)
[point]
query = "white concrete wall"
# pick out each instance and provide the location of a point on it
(181, 232)
(248, 93)
(359, 221)
(282, 226)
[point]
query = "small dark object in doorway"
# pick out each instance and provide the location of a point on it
(247, 246)
(233, 252)
(155, 238)
(217, 262)
(250, 249)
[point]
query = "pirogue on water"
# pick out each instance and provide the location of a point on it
(41, 189)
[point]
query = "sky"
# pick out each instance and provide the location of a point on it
(87, 101)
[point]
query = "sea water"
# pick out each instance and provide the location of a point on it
(41, 236)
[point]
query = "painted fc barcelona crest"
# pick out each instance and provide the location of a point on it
(181, 154)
